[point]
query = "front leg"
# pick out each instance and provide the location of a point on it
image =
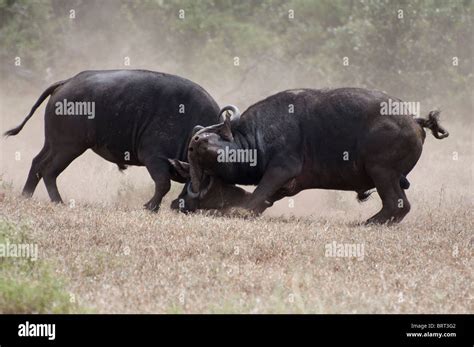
(271, 186)
(290, 188)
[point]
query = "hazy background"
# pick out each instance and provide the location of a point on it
(425, 56)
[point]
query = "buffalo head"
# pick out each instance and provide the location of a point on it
(204, 147)
(204, 188)
(214, 194)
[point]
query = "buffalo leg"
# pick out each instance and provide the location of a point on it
(34, 175)
(272, 181)
(395, 204)
(160, 173)
(291, 188)
(55, 163)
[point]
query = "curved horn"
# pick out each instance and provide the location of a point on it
(206, 190)
(235, 112)
(195, 172)
(440, 133)
(202, 193)
(192, 194)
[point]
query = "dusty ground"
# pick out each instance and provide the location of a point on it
(121, 259)
(116, 257)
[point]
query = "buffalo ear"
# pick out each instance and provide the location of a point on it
(196, 129)
(225, 131)
(179, 170)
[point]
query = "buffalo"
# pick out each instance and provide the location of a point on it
(128, 117)
(303, 139)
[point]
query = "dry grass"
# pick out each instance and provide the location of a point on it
(120, 260)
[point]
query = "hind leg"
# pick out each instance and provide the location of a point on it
(55, 163)
(160, 173)
(395, 204)
(34, 175)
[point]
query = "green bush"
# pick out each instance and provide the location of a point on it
(29, 286)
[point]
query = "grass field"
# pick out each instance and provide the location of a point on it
(130, 260)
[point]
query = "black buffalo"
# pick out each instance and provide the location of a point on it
(128, 117)
(330, 139)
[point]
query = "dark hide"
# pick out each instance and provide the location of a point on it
(334, 139)
(141, 118)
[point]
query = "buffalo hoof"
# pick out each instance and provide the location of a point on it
(379, 220)
(152, 206)
(256, 210)
(27, 194)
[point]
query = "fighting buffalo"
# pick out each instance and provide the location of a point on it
(128, 117)
(339, 139)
